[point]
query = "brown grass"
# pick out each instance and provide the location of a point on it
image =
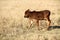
(13, 25)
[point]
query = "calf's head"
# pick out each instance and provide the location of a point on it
(27, 14)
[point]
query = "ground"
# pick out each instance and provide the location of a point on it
(20, 32)
(13, 25)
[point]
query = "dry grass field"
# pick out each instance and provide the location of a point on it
(13, 25)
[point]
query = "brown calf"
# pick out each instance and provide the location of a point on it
(38, 15)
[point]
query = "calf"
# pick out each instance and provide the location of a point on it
(38, 15)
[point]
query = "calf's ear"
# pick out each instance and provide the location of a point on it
(28, 9)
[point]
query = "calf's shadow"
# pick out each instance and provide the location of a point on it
(53, 27)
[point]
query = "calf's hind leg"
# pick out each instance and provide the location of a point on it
(49, 22)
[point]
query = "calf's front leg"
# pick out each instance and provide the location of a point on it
(38, 24)
(30, 22)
